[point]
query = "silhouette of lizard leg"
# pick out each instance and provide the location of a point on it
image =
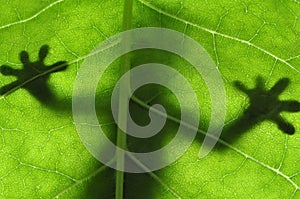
(44, 50)
(8, 88)
(239, 85)
(280, 86)
(283, 125)
(259, 83)
(8, 71)
(59, 66)
(290, 106)
(40, 91)
(24, 57)
(244, 123)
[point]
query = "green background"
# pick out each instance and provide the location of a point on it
(41, 155)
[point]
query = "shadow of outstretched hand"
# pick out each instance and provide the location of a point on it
(265, 105)
(33, 76)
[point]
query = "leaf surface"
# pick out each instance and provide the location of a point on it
(41, 154)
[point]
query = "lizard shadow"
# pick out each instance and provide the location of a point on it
(264, 105)
(33, 77)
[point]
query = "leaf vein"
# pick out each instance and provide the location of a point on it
(32, 17)
(247, 156)
(147, 4)
(78, 182)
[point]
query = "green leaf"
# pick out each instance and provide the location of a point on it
(41, 155)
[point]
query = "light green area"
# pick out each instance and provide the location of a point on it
(41, 155)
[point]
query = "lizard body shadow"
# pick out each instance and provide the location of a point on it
(33, 77)
(265, 105)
